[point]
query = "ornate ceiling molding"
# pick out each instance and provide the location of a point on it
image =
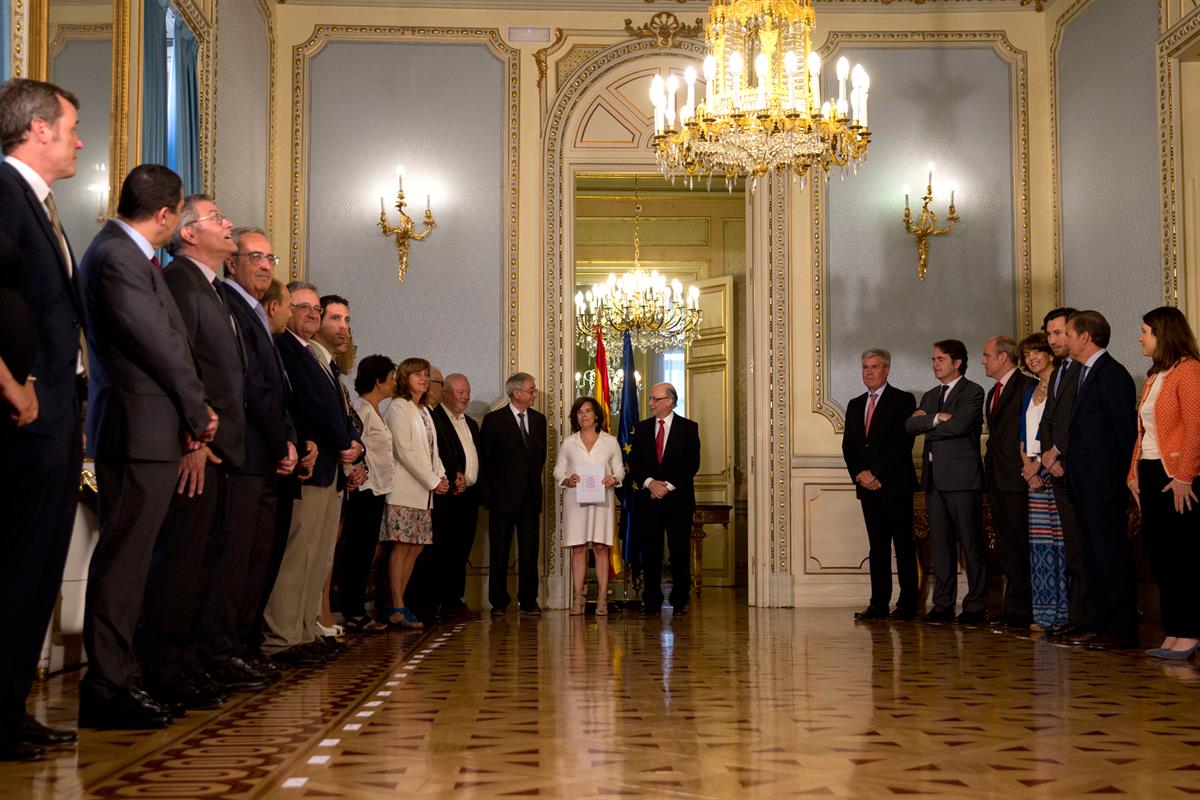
(666, 30)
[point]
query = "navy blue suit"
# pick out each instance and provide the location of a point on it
(1103, 430)
(318, 409)
(40, 462)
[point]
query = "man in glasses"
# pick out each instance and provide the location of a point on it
(319, 412)
(513, 454)
(664, 460)
(182, 562)
(247, 537)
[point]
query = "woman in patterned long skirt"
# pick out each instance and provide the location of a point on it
(1047, 556)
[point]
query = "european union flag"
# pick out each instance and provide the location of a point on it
(629, 419)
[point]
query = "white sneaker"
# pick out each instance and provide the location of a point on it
(336, 631)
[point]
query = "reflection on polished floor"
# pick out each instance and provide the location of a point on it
(727, 702)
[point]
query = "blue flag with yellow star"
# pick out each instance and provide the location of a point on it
(629, 419)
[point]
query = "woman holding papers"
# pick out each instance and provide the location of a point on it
(589, 466)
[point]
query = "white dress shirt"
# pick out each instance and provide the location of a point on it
(471, 469)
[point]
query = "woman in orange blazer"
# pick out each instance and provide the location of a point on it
(1162, 476)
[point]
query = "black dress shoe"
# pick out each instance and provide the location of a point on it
(903, 614)
(869, 613)
(31, 731)
(1081, 639)
(129, 710)
(329, 645)
(1106, 641)
(940, 615)
(531, 610)
(14, 748)
(191, 695)
(234, 675)
(1065, 631)
(498, 613)
(651, 612)
(679, 611)
(299, 656)
(260, 663)
(972, 618)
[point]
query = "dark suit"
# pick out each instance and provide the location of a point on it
(40, 462)
(672, 513)
(144, 395)
(1103, 430)
(1055, 432)
(1008, 494)
(952, 477)
(454, 515)
(886, 450)
(511, 471)
(247, 540)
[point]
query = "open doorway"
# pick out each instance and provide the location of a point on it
(699, 237)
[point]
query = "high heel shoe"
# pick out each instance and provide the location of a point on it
(578, 605)
(1175, 655)
(602, 608)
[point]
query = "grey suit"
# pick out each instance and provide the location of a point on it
(144, 395)
(952, 475)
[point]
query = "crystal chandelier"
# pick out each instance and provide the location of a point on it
(762, 108)
(659, 315)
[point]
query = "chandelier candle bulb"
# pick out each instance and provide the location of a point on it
(761, 65)
(672, 89)
(814, 71)
(790, 62)
(906, 193)
(689, 77)
(843, 72)
(710, 74)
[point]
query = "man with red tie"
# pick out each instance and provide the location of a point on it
(1007, 491)
(878, 454)
(663, 461)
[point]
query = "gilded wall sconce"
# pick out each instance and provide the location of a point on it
(926, 226)
(404, 233)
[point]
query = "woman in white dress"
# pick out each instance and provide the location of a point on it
(417, 474)
(589, 523)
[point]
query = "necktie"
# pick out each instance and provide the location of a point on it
(524, 430)
(942, 396)
(62, 239)
(1083, 373)
(660, 439)
(156, 263)
(995, 398)
(870, 412)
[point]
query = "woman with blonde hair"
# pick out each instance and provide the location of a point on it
(1162, 477)
(417, 475)
(588, 523)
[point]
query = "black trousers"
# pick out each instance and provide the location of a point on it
(889, 520)
(1109, 563)
(363, 515)
(1010, 519)
(39, 489)
(134, 497)
(654, 518)
(244, 525)
(179, 573)
(1173, 545)
(955, 520)
(268, 555)
(500, 536)
(439, 578)
(1079, 602)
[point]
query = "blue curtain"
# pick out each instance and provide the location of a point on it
(154, 82)
(186, 141)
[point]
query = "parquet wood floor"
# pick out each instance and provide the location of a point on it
(726, 702)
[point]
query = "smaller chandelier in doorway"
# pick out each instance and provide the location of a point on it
(762, 110)
(658, 314)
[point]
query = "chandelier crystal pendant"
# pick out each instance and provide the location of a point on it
(762, 109)
(658, 314)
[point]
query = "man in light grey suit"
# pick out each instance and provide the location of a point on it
(950, 418)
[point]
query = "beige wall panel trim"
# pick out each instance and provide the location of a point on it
(202, 21)
(322, 35)
(821, 402)
(1173, 14)
(1072, 11)
(1170, 47)
(836, 536)
(268, 14)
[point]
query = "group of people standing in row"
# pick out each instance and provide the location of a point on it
(1068, 444)
(230, 457)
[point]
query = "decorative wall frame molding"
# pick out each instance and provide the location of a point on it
(322, 35)
(1055, 163)
(1018, 61)
(268, 15)
(205, 30)
(666, 30)
(61, 34)
(1171, 46)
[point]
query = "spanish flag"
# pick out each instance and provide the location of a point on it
(602, 395)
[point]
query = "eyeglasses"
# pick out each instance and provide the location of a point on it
(308, 308)
(216, 217)
(270, 258)
(653, 399)
(533, 390)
